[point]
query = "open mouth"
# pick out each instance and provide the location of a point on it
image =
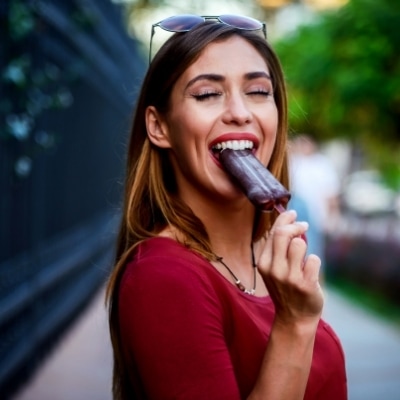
(233, 145)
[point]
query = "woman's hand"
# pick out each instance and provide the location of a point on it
(292, 279)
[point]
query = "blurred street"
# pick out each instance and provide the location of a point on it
(80, 368)
(371, 346)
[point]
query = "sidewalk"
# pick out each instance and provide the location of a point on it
(81, 367)
(372, 349)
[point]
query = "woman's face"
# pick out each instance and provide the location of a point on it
(225, 96)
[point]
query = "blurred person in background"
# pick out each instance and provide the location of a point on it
(210, 298)
(315, 188)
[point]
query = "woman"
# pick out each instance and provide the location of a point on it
(182, 326)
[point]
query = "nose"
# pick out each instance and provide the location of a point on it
(236, 110)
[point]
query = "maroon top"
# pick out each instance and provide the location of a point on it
(188, 333)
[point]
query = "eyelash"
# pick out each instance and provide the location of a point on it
(208, 95)
(261, 92)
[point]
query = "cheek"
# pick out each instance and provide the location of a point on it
(269, 123)
(270, 128)
(181, 122)
(186, 129)
(182, 140)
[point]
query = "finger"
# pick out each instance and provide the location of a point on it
(286, 217)
(265, 258)
(311, 268)
(284, 235)
(284, 229)
(296, 255)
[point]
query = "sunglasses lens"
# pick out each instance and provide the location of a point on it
(181, 23)
(186, 22)
(238, 21)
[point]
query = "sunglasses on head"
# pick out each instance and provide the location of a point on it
(186, 22)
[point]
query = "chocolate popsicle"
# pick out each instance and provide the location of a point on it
(258, 184)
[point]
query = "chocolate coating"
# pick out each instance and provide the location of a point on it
(256, 181)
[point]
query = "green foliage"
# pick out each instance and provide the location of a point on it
(32, 85)
(343, 75)
(368, 299)
(21, 20)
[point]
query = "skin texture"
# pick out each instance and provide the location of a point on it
(227, 93)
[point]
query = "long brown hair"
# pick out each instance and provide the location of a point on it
(150, 203)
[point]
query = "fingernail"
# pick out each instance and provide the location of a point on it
(304, 223)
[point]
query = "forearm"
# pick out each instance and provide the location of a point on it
(287, 362)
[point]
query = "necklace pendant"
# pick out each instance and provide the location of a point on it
(240, 286)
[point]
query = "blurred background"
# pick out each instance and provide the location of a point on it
(69, 74)
(70, 71)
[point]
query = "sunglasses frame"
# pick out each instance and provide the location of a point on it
(202, 18)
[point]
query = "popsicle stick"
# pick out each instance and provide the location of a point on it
(279, 207)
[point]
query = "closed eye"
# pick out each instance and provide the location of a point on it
(206, 95)
(260, 92)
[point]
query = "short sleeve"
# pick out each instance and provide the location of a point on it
(172, 327)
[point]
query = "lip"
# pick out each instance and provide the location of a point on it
(232, 136)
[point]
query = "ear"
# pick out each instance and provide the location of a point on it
(157, 129)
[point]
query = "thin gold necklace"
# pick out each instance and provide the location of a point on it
(238, 283)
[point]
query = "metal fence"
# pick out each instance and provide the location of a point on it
(69, 77)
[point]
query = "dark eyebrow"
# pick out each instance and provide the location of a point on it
(257, 74)
(206, 77)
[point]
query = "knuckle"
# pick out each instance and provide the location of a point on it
(281, 231)
(298, 243)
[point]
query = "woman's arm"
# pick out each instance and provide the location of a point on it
(287, 362)
(292, 282)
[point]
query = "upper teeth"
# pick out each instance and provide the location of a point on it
(234, 145)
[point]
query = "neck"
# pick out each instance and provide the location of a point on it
(226, 221)
(229, 225)
(229, 232)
